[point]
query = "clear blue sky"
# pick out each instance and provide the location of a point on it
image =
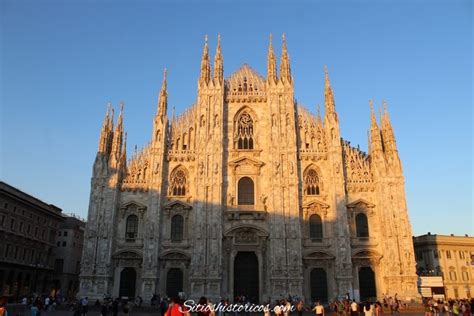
(62, 61)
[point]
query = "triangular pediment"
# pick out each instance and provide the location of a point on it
(315, 203)
(246, 161)
(139, 206)
(177, 203)
(361, 202)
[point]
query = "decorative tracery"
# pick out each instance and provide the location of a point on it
(244, 131)
(178, 182)
(311, 182)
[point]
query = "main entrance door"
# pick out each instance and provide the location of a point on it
(319, 285)
(174, 282)
(246, 280)
(128, 280)
(367, 284)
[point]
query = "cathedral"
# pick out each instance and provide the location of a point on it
(248, 193)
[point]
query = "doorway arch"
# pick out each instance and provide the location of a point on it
(367, 287)
(174, 282)
(246, 276)
(128, 281)
(319, 285)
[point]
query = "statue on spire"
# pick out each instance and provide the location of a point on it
(106, 131)
(163, 98)
(218, 63)
(271, 63)
(285, 69)
(387, 130)
(118, 135)
(375, 140)
(329, 104)
(205, 74)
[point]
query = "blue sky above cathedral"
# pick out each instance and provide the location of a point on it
(63, 61)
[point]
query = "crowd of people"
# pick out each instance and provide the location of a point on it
(293, 306)
(458, 307)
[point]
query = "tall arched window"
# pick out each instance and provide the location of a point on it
(315, 227)
(362, 225)
(178, 182)
(131, 227)
(177, 228)
(311, 182)
(244, 131)
(246, 191)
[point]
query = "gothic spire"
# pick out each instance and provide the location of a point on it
(375, 141)
(105, 131)
(118, 134)
(387, 130)
(163, 98)
(218, 63)
(329, 104)
(124, 150)
(271, 63)
(205, 74)
(318, 108)
(285, 71)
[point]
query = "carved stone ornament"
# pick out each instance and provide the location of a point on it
(246, 236)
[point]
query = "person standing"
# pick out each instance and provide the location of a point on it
(85, 305)
(368, 309)
(176, 308)
(354, 308)
(103, 309)
(115, 307)
(378, 309)
(126, 308)
(300, 307)
(3, 308)
(319, 309)
(163, 306)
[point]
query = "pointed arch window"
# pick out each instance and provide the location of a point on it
(177, 228)
(315, 228)
(178, 182)
(131, 227)
(244, 138)
(311, 182)
(362, 225)
(246, 191)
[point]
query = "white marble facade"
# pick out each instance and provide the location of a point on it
(247, 182)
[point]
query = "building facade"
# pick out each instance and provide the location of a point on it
(451, 257)
(247, 192)
(68, 253)
(28, 229)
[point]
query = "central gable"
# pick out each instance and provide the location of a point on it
(245, 85)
